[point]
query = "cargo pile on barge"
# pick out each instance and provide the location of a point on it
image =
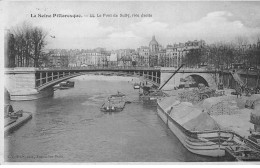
(211, 126)
(196, 95)
(114, 103)
(185, 121)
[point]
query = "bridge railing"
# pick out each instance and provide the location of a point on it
(102, 68)
(186, 69)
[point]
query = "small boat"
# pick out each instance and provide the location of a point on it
(66, 84)
(14, 119)
(120, 74)
(242, 153)
(136, 86)
(115, 103)
(150, 94)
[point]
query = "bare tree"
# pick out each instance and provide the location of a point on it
(28, 44)
(38, 39)
(241, 49)
(10, 53)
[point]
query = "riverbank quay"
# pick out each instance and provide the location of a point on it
(14, 120)
(222, 121)
(251, 78)
(18, 123)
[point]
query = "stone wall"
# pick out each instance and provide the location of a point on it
(19, 79)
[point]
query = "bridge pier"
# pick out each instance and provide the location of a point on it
(21, 84)
(46, 75)
(40, 78)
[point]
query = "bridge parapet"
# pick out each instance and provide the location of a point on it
(131, 68)
(187, 70)
(19, 70)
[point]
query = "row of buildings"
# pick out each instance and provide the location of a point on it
(152, 55)
(170, 56)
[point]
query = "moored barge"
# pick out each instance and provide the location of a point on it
(114, 103)
(196, 130)
(66, 84)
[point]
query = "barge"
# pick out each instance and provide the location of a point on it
(66, 84)
(242, 153)
(197, 131)
(114, 103)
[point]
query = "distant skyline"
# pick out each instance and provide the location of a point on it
(171, 22)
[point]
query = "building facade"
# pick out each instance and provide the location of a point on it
(58, 60)
(143, 53)
(152, 55)
(94, 57)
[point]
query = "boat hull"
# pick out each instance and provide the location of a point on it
(103, 109)
(68, 84)
(115, 103)
(193, 142)
(64, 88)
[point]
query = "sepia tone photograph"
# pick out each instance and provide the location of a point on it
(131, 82)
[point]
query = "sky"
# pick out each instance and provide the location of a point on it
(171, 22)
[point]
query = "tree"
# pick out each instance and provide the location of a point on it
(38, 38)
(242, 43)
(134, 63)
(64, 61)
(10, 53)
(26, 45)
(193, 58)
(23, 45)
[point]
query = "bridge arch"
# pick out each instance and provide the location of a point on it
(207, 79)
(198, 79)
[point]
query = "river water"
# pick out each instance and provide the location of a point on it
(69, 127)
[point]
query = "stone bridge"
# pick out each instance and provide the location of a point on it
(34, 83)
(209, 78)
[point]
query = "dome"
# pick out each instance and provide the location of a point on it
(153, 42)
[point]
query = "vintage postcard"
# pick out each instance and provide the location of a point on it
(131, 82)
